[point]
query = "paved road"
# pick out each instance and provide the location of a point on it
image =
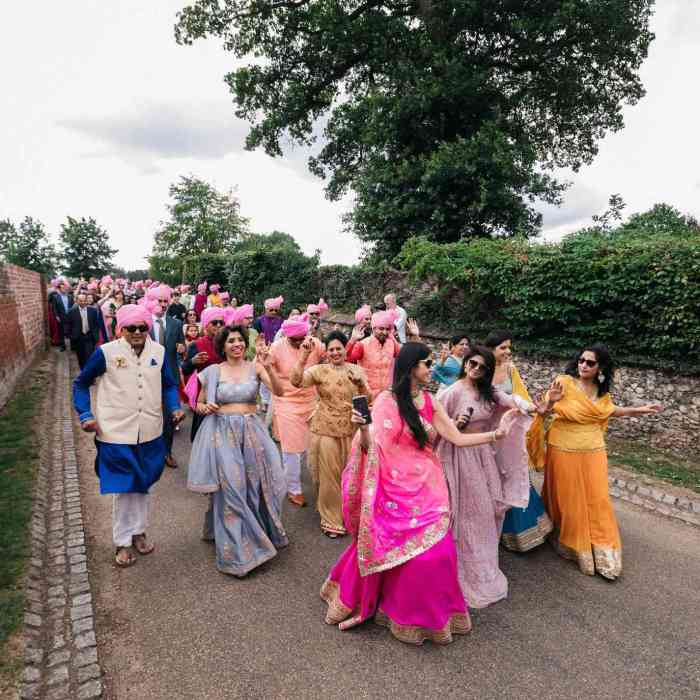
(173, 627)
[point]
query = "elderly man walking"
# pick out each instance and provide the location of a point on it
(400, 316)
(132, 381)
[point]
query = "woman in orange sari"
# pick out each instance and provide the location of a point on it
(574, 455)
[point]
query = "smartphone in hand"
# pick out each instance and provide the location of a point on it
(361, 405)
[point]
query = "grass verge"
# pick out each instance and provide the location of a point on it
(679, 471)
(19, 461)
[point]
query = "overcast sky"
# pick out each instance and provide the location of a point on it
(102, 111)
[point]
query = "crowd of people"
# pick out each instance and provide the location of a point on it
(422, 458)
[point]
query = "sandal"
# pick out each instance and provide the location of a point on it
(332, 535)
(124, 562)
(141, 546)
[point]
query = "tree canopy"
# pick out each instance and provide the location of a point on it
(28, 245)
(201, 220)
(85, 248)
(444, 119)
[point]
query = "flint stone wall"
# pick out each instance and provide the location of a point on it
(676, 429)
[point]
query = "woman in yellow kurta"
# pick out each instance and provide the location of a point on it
(332, 429)
(575, 489)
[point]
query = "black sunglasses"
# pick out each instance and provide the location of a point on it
(134, 329)
(588, 363)
(428, 363)
(476, 365)
(216, 323)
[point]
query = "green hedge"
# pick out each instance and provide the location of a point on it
(637, 292)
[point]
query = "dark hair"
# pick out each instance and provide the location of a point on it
(484, 383)
(381, 306)
(606, 366)
(409, 356)
(336, 335)
(192, 311)
(456, 339)
(495, 338)
(222, 336)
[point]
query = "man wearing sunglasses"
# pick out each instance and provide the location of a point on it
(134, 393)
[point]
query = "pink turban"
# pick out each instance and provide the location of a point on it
(55, 281)
(129, 314)
(214, 288)
(296, 326)
(230, 316)
(362, 313)
(225, 296)
(107, 279)
(313, 309)
(92, 286)
(120, 281)
(246, 310)
(322, 306)
(162, 291)
(138, 284)
(383, 319)
(148, 282)
(202, 288)
(213, 313)
(274, 303)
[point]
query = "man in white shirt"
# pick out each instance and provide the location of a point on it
(167, 331)
(401, 316)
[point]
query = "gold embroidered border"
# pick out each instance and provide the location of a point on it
(337, 611)
(528, 539)
(413, 634)
(606, 561)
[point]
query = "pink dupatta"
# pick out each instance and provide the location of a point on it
(395, 497)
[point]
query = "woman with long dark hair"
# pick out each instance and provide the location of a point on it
(573, 452)
(396, 505)
(484, 480)
(235, 460)
(528, 527)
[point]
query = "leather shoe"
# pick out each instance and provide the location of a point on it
(170, 462)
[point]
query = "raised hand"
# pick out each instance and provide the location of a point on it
(357, 332)
(307, 346)
(412, 328)
(556, 391)
(262, 354)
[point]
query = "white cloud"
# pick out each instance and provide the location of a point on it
(102, 111)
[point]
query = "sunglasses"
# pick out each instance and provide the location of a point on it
(428, 363)
(588, 363)
(216, 323)
(473, 364)
(139, 329)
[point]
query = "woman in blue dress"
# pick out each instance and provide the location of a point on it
(449, 365)
(235, 460)
(523, 528)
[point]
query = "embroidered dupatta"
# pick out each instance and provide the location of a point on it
(395, 497)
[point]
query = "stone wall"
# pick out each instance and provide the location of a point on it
(23, 323)
(676, 429)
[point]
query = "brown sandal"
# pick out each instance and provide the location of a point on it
(124, 563)
(141, 546)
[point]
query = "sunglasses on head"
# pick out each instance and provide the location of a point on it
(134, 329)
(217, 323)
(473, 364)
(588, 363)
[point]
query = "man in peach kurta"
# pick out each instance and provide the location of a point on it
(292, 411)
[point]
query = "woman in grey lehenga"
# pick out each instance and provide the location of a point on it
(235, 460)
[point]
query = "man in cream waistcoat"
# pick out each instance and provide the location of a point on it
(121, 395)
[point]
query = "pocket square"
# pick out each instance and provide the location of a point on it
(154, 362)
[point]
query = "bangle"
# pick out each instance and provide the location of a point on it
(493, 436)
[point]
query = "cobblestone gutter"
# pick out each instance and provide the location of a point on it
(61, 649)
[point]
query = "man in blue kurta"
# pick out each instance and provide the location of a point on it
(132, 385)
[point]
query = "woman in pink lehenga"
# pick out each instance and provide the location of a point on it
(401, 567)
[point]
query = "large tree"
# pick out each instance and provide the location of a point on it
(201, 220)
(85, 248)
(444, 118)
(28, 245)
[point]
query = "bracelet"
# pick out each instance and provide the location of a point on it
(493, 436)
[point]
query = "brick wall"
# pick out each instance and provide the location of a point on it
(23, 323)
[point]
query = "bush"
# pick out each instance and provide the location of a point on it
(637, 292)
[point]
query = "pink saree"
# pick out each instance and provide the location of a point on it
(396, 506)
